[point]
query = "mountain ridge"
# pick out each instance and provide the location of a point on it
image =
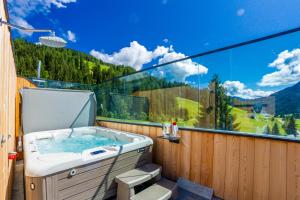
(286, 100)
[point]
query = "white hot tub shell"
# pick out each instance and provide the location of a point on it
(81, 175)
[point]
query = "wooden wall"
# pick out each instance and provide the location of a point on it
(21, 83)
(236, 167)
(7, 105)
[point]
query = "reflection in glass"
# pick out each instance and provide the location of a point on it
(253, 89)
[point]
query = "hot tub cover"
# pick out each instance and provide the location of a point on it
(51, 109)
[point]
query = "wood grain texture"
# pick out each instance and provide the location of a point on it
(21, 83)
(7, 106)
(232, 167)
(278, 168)
(185, 154)
(158, 157)
(167, 159)
(173, 161)
(207, 153)
(293, 171)
(236, 167)
(219, 168)
(195, 157)
(245, 188)
(261, 169)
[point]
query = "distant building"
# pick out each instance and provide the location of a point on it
(264, 105)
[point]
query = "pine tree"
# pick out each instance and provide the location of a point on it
(290, 125)
(224, 119)
(205, 117)
(62, 64)
(275, 129)
(267, 130)
(221, 108)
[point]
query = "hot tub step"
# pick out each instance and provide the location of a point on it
(138, 176)
(162, 190)
(128, 180)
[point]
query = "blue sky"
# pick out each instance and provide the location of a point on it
(145, 32)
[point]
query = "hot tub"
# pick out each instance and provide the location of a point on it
(80, 163)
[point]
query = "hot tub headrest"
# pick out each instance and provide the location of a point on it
(50, 109)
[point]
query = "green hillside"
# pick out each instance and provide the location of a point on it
(246, 123)
(191, 107)
(63, 64)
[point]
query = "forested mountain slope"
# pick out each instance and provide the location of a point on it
(63, 64)
(287, 100)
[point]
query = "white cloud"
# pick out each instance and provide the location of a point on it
(136, 55)
(287, 65)
(71, 36)
(179, 71)
(21, 22)
(240, 12)
(20, 9)
(238, 89)
(62, 3)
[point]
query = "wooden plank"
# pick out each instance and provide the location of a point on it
(173, 164)
(118, 126)
(133, 128)
(139, 130)
(240, 167)
(219, 165)
(128, 128)
(123, 127)
(38, 192)
(207, 153)
(7, 106)
(232, 168)
(195, 157)
(261, 169)
(293, 171)
(146, 130)
(152, 132)
(185, 154)
(246, 168)
(167, 159)
(159, 154)
(278, 171)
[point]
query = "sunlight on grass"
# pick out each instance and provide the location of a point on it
(247, 122)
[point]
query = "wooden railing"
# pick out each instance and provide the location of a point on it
(235, 166)
(7, 106)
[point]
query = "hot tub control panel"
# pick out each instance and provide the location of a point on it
(97, 152)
